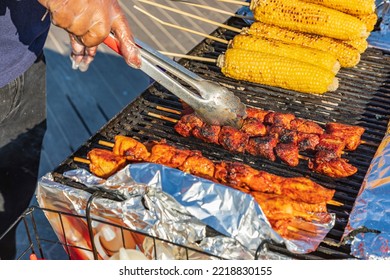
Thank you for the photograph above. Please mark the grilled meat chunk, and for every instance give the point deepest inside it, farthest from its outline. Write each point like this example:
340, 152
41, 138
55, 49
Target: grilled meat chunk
256, 113
351, 134
307, 141
330, 164
104, 163
170, 156
288, 153
253, 127
187, 123
130, 148
262, 146
279, 119
233, 139
306, 126
329, 142
198, 165
207, 133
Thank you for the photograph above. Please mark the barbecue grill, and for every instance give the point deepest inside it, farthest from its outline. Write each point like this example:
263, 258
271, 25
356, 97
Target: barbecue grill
363, 99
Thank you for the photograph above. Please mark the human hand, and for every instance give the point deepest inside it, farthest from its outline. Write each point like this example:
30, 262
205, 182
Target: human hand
89, 22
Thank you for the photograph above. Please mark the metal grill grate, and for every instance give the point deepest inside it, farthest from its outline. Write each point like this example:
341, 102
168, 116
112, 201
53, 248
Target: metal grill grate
363, 99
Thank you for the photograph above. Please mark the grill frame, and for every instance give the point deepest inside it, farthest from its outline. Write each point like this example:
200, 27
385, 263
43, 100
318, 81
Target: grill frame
363, 98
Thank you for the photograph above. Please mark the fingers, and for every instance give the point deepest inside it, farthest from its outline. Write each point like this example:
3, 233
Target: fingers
123, 34
81, 56
92, 21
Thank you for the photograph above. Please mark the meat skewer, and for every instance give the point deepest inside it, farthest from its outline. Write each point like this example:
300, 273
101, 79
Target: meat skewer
290, 191
233, 174
271, 146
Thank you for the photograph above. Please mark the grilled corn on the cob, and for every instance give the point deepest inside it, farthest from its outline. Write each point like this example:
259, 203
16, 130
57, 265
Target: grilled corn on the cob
369, 20
352, 7
309, 55
273, 70
347, 55
360, 44
310, 18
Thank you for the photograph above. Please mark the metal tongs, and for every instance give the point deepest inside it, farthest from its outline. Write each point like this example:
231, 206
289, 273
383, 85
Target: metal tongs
215, 104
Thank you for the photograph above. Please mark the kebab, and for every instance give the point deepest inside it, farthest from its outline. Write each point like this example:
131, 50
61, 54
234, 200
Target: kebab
284, 145
289, 199
232, 174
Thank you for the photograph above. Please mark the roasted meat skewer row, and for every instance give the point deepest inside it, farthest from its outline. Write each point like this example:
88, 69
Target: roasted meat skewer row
285, 202
270, 134
233, 174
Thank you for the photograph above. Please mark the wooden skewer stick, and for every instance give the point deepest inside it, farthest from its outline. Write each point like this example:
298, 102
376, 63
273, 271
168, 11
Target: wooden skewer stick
335, 203
237, 2
190, 15
168, 110
82, 160
215, 10
181, 28
106, 143
191, 57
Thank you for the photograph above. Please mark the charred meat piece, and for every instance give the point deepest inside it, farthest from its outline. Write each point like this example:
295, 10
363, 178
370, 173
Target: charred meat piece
307, 141
262, 146
283, 134
170, 156
130, 148
253, 127
306, 126
278, 207
279, 119
256, 113
328, 163
104, 163
296, 205
198, 165
187, 123
207, 133
305, 190
329, 142
233, 139
288, 153
351, 134
246, 178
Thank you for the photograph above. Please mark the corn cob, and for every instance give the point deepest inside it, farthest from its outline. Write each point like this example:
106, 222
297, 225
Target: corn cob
369, 20
309, 55
360, 44
273, 70
306, 17
352, 7
347, 55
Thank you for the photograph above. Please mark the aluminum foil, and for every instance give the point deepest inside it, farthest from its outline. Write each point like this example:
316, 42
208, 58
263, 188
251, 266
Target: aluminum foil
368, 229
177, 207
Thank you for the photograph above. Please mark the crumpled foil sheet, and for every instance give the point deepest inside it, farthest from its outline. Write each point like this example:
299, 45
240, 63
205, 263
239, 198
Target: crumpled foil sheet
368, 229
176, 206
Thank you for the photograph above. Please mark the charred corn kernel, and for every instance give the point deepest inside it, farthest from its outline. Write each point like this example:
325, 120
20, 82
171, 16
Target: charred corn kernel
360, 44
309, 55
369, 20
347, 55
274, 70
352, 7
311, 18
